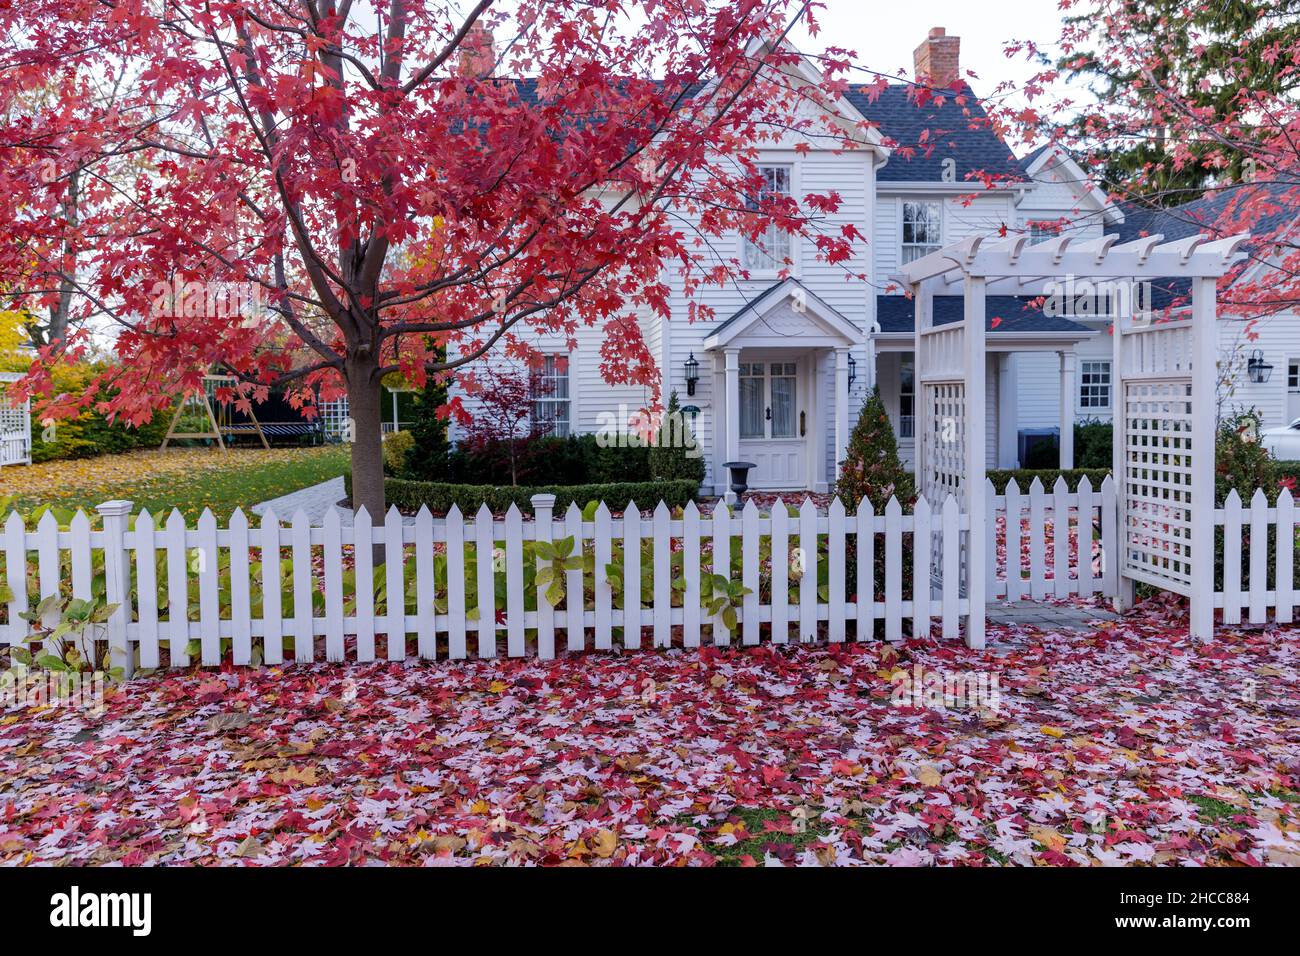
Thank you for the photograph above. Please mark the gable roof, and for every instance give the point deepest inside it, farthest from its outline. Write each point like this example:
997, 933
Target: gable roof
1039, 158
962, 132
1017, 314
762, 304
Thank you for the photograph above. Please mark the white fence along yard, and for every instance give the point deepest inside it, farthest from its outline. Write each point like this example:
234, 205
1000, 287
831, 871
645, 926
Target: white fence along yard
1258, 559
488, 586
471, 587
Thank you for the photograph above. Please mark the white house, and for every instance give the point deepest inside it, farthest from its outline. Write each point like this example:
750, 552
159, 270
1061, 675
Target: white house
784, 370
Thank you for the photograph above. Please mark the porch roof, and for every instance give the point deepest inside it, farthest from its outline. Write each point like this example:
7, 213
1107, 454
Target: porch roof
815, 323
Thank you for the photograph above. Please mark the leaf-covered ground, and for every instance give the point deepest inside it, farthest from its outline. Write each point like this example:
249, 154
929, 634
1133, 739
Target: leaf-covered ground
186, 478
1127, 745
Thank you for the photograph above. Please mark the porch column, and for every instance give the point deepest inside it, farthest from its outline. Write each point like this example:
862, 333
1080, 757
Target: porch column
731, 423
841, 407
1008, 387
1069, 385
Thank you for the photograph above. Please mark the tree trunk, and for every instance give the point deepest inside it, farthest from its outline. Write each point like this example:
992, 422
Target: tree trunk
366, 434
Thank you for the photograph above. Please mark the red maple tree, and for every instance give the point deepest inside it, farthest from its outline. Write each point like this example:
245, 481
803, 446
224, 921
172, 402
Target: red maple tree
1235, 157
376, 180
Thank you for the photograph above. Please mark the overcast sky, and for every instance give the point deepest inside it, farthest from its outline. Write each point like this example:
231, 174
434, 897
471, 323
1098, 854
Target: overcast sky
885, 34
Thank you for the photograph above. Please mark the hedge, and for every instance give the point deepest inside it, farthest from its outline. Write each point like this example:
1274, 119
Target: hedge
1024, 477
440, 496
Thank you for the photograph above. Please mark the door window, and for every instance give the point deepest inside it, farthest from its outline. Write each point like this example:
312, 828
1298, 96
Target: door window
782, 386
751, 400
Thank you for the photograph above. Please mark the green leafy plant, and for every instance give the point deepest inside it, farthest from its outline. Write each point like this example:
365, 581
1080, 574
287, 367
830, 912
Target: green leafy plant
559, 558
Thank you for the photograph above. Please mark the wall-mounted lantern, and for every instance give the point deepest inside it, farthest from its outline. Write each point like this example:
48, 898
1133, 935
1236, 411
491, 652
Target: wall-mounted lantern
692, 373
1257, 370
853, 370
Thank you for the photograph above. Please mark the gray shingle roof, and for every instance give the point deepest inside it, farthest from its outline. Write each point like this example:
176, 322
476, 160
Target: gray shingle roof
1017, 313
960, 131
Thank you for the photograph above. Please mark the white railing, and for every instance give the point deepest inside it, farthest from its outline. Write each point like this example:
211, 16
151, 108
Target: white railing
470, 587
1038, 538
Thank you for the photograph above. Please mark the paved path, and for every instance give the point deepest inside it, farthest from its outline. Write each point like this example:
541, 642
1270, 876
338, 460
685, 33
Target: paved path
1045, 616
316, 500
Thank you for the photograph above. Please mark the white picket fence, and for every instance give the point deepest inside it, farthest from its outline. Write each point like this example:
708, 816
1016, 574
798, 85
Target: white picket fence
1265, 581
1051, 545
240, 607
291, 589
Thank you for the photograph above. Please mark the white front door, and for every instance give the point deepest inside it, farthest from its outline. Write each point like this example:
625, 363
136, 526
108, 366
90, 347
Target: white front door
773, 425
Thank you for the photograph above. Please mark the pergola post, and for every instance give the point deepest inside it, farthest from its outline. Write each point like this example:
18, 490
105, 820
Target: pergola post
976, 419
1125, 591
1204, 313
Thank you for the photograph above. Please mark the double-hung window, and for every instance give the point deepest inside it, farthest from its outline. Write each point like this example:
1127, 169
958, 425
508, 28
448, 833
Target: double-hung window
550, 395
771, 251
922, 229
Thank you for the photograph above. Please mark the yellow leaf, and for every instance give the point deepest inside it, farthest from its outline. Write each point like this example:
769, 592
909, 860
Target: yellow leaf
604, 844
929, 776
1052, 731
498, 687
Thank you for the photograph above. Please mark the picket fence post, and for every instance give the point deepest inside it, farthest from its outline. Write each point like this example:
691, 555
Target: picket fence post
117, 583
543, 515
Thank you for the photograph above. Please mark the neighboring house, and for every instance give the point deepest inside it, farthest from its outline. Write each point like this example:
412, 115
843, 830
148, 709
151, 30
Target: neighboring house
783, 371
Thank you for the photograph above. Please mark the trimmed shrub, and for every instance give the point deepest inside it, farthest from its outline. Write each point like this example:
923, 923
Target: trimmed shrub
1024, 477
410, 496
668, 462
396, 448
1241, 462
872, 468
1093, 441
427, 457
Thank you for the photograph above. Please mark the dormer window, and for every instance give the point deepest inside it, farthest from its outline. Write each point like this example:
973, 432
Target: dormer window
772, 250
922, 229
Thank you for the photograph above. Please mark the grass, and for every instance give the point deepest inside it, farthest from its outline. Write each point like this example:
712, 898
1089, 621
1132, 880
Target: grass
754, 818
187, 479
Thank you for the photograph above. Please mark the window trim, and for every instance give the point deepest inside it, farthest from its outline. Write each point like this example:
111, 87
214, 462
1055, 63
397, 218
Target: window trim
901, 209
742, 243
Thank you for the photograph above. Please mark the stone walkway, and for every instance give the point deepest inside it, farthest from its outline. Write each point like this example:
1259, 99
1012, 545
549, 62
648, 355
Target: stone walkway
1046, 616
316, 500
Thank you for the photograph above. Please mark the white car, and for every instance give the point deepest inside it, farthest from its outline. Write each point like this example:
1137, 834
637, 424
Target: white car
1282, 443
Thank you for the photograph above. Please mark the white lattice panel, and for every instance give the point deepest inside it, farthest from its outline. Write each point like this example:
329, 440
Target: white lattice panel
1156, 487
944, 436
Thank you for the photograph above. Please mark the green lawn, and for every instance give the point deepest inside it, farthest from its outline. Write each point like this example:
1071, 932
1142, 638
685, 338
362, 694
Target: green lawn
186, 480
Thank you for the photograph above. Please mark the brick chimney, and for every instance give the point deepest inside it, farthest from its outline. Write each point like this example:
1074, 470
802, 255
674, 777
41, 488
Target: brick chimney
478, 53
938, 59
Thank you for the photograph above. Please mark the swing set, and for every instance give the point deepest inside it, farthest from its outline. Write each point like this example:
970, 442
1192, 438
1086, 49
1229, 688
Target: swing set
204, 410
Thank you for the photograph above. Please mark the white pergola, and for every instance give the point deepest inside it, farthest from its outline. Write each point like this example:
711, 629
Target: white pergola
15, 425
1164, 373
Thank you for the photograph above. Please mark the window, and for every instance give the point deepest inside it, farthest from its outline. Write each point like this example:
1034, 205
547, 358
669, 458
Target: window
907, 396
550, 388
1293, 375
922, 232
1039, 232
1094, 385
751, 400
772, 249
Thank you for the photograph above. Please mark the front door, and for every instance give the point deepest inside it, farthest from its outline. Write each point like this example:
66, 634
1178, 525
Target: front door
773, 426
